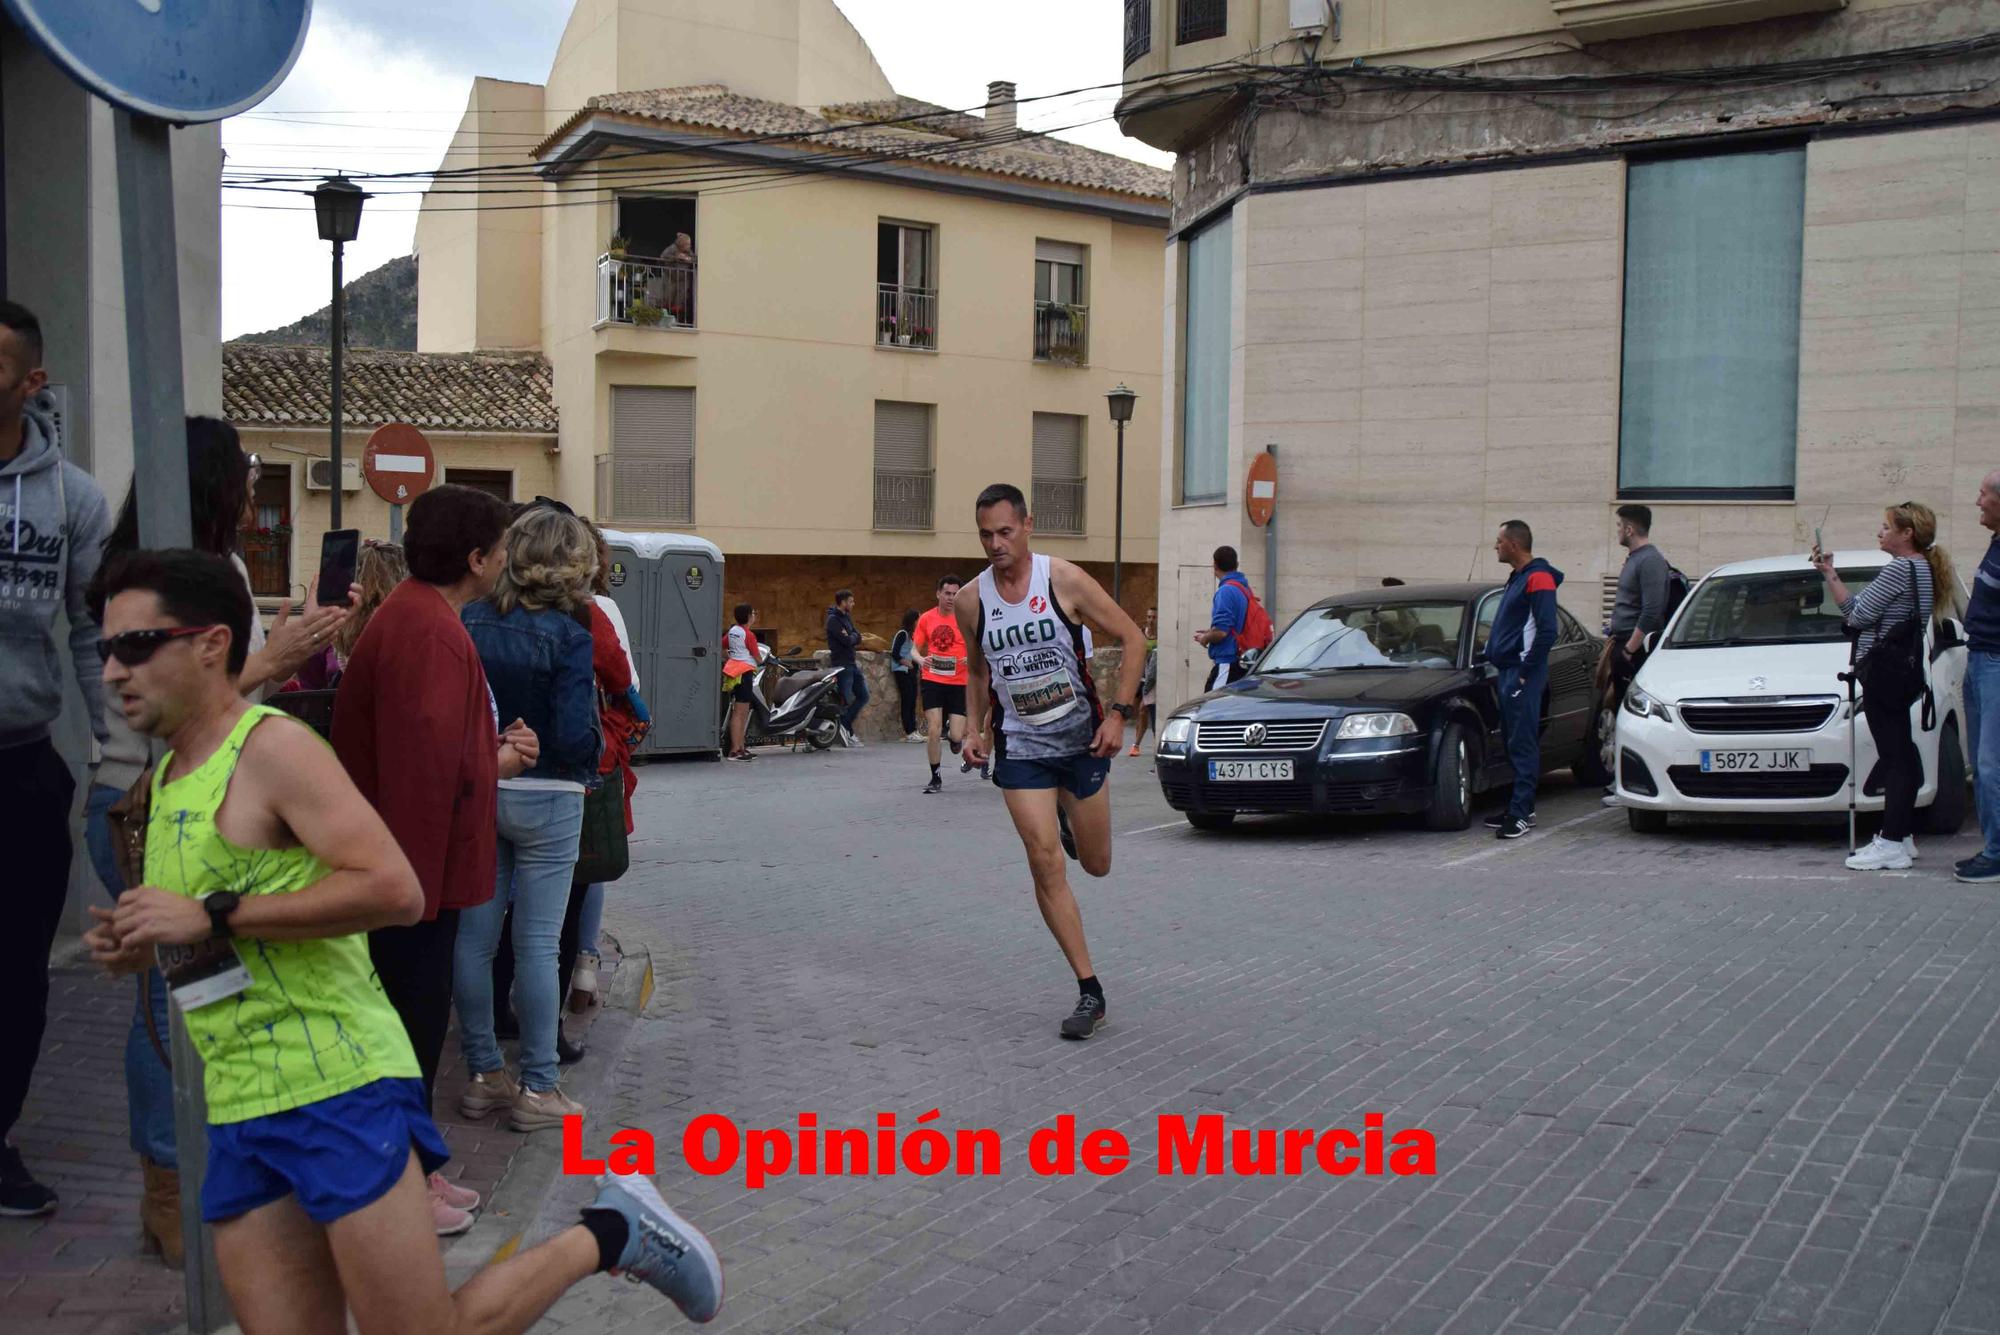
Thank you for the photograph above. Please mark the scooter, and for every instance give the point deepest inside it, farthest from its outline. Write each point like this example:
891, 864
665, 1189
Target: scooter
788, 705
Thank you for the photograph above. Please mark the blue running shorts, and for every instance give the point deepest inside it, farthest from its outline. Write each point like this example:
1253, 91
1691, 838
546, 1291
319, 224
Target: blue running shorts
337, 1156
1081, 774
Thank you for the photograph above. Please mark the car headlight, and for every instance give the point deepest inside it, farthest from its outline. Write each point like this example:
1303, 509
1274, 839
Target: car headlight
1176, 732
1645, 706
1375, 725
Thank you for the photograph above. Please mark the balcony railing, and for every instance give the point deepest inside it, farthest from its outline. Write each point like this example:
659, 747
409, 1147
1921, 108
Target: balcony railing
1062, 333
645, 491
1138, 29
1059, 507
1201, 20
645, 292
903, 500
906, 317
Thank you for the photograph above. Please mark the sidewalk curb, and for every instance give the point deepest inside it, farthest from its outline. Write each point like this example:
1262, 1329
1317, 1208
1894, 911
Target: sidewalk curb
503, 1222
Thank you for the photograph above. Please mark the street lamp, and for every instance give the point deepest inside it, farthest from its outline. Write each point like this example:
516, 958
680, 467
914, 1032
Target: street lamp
337, 204
1121, 400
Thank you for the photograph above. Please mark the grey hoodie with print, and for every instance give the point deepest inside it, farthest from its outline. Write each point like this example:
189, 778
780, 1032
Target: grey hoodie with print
53, 522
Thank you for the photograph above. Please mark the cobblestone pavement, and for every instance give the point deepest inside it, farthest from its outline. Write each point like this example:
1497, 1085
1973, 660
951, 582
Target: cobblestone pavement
1706, 1082
81, 1269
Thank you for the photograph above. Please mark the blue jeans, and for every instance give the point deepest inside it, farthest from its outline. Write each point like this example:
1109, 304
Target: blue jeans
1521, 726
591, 922
539, 833
149, 1083
854, 690
1982, 742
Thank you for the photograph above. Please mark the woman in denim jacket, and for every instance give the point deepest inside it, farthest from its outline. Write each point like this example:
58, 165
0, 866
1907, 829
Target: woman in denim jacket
534, 641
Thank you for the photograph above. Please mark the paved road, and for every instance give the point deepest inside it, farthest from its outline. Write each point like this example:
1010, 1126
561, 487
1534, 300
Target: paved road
1708, 1082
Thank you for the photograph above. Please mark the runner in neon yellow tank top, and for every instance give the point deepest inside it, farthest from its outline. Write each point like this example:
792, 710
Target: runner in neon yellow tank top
317, 1022
264, 865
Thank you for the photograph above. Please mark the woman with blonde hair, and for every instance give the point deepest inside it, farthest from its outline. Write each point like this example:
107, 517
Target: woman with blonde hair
379, 570
1887, 619
534, 642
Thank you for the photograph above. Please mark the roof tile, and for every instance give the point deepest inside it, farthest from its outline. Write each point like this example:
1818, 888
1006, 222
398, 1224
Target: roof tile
445, 391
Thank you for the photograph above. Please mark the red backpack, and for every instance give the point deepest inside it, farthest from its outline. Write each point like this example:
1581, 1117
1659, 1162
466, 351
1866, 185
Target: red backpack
1257, 632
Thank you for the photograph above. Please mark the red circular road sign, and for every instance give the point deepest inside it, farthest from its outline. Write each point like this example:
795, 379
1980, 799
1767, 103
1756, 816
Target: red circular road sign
398, 463
1260, 491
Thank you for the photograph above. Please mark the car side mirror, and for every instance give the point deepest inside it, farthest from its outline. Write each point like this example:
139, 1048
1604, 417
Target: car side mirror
1248, 660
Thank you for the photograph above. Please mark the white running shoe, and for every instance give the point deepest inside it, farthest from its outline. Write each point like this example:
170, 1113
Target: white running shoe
1879, 855
1910, 846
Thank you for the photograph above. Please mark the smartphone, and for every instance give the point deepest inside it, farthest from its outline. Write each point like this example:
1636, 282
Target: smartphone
339, 554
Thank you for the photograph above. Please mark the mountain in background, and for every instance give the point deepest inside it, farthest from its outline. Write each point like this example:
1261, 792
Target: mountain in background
381, 313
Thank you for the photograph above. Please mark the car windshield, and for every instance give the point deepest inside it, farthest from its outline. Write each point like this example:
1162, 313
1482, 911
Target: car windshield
1777, 607
1358, 635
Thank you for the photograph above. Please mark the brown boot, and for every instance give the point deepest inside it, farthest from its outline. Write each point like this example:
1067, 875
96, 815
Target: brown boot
160, 1213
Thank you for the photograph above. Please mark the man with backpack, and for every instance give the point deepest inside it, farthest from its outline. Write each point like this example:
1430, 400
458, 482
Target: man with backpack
1649, 589
1237, 622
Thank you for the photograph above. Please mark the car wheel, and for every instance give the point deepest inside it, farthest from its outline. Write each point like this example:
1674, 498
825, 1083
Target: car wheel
1646, 822
1450, 806
1593, 766
822, 734
1210, 820
1947, 811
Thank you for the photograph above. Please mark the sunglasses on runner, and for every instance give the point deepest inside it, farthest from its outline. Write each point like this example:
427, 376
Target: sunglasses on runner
134, 647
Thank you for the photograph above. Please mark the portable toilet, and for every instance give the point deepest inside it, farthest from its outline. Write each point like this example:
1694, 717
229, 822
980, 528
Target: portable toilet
668, 586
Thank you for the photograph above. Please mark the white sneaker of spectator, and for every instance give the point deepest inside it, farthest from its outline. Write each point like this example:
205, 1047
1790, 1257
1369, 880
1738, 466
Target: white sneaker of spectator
1878, 854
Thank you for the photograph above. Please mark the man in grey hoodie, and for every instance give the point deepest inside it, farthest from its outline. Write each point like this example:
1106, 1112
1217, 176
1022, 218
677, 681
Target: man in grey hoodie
53, 522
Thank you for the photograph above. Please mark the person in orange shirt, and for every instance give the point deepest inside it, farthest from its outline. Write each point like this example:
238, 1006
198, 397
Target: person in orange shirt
941, 661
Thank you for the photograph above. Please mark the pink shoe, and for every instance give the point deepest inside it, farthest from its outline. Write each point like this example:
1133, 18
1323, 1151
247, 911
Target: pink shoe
450, 1222
457, 1197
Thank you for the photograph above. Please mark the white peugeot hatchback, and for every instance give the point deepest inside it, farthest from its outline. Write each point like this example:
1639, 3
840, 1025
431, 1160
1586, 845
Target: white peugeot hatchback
1740, 708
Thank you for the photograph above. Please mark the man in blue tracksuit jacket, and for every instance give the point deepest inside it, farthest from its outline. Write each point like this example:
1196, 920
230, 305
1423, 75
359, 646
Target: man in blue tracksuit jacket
1524, 630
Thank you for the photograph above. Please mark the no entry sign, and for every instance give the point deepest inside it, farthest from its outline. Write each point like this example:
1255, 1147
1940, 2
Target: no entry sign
1260, 490
398, 463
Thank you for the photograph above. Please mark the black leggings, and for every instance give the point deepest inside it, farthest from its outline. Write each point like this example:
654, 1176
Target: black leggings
906, 695
414, 966
1901, 768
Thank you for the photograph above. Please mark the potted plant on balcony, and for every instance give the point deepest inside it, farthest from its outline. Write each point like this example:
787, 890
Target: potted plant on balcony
886, 331
645, 313
616, 246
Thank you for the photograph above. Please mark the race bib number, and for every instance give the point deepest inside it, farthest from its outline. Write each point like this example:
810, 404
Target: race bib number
204, 973
1040, 698
944, 665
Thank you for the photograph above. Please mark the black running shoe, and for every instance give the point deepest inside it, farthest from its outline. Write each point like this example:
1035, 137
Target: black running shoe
1083, 1021
21, 1197
1495, 822
1514, 829
955, 745
1068, 838
936, 785
986, 771
967, 767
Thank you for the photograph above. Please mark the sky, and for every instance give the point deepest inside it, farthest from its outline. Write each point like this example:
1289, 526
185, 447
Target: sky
381, 84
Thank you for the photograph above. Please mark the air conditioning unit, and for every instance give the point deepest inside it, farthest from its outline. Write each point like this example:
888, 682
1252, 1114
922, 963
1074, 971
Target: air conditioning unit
319, 475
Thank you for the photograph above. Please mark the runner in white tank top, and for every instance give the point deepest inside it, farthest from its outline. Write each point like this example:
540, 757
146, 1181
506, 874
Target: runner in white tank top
1053, 738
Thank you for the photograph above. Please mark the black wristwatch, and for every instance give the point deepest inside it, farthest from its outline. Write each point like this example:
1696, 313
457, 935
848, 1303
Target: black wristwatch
220, 905
1122, 709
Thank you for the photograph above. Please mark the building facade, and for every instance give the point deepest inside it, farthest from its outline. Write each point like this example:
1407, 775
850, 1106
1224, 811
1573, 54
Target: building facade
490, 420
1471, 260
797, 314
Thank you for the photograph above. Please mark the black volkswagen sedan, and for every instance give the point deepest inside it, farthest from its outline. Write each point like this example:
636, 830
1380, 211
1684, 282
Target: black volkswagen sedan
1375, 701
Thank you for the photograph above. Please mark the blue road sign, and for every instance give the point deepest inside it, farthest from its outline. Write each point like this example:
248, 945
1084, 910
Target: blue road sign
176, 60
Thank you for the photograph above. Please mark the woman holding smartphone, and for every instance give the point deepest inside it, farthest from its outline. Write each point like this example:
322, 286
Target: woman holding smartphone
1918, 584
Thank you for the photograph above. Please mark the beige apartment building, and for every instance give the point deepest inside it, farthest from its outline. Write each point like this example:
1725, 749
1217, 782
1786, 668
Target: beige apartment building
797, 314
1736, 259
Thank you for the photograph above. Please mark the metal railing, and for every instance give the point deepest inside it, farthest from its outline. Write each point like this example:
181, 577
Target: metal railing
645, 491
1138, 29
1200, 20
906, 317
904, 500
1059, 507
1062, 333
645, 292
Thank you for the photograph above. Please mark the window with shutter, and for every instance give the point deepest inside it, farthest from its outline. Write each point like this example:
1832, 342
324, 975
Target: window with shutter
651, 476
1058, 499
1061, 313
904, 477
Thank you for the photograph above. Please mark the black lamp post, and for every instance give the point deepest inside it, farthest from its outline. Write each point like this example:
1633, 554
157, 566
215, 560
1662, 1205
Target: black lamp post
1121, 400
337, 203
